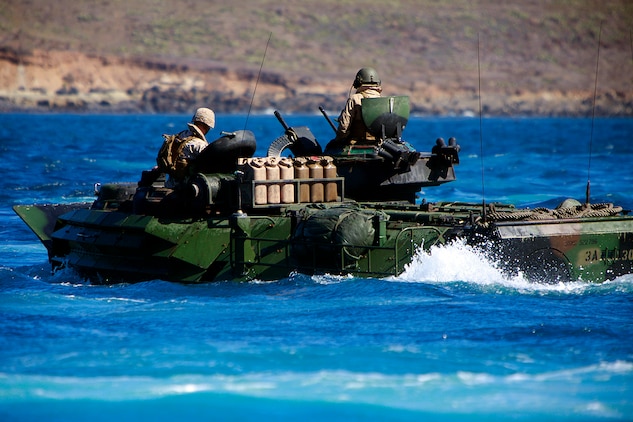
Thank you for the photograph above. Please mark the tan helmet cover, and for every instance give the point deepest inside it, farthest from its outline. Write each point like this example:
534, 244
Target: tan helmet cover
204, 115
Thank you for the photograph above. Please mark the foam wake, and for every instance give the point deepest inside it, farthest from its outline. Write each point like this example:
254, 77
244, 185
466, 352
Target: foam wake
459, 262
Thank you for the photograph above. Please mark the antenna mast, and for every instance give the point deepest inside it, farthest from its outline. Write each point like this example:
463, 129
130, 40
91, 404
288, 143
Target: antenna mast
257, 81
593, 115
481, 142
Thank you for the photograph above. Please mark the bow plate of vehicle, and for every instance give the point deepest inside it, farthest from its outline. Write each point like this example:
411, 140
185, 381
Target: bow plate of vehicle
348, 209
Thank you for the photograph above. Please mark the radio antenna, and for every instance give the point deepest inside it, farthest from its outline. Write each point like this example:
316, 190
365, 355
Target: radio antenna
481, 142
257, 81
593, 116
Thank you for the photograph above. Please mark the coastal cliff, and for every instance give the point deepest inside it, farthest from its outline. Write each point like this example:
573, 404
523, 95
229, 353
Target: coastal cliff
523, 58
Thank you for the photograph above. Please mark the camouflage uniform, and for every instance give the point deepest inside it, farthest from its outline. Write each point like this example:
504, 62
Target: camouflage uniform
196, 141
195, 145
350, 122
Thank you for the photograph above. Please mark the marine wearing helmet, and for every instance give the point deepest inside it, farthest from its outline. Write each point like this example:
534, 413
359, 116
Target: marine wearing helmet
191, 143
351, 128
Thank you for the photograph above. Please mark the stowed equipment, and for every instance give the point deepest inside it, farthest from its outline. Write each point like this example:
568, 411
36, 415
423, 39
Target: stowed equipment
386, 168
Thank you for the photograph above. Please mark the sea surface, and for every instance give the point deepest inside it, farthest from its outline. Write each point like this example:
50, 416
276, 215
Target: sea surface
450, 339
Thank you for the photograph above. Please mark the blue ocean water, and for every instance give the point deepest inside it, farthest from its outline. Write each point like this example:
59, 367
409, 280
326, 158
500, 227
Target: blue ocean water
450, 339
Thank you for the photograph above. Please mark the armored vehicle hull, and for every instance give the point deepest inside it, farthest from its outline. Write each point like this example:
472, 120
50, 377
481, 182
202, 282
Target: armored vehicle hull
348, 210
364, 239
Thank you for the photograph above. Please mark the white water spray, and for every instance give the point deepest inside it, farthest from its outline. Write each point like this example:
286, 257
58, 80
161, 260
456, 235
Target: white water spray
458, 262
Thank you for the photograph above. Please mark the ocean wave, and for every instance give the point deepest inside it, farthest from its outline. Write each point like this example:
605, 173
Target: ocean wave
562, 392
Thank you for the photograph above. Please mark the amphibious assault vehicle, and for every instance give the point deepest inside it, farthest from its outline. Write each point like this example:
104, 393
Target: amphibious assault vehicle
347, 209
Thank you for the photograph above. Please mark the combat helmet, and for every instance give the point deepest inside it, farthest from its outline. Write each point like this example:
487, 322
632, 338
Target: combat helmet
204, 115
366, 76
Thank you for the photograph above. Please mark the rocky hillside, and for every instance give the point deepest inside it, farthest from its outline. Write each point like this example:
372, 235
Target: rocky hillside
528, 57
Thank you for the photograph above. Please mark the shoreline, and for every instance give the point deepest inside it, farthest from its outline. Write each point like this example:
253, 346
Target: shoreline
64, 81
121, 103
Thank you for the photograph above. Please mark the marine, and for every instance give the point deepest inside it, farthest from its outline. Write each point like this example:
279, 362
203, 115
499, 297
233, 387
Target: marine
351, 127
180, 151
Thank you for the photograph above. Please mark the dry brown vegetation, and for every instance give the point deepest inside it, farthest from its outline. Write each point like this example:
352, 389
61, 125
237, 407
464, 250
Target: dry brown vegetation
531, 56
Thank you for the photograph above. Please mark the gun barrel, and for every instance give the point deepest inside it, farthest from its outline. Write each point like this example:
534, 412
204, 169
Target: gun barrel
327, 118
281, 120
